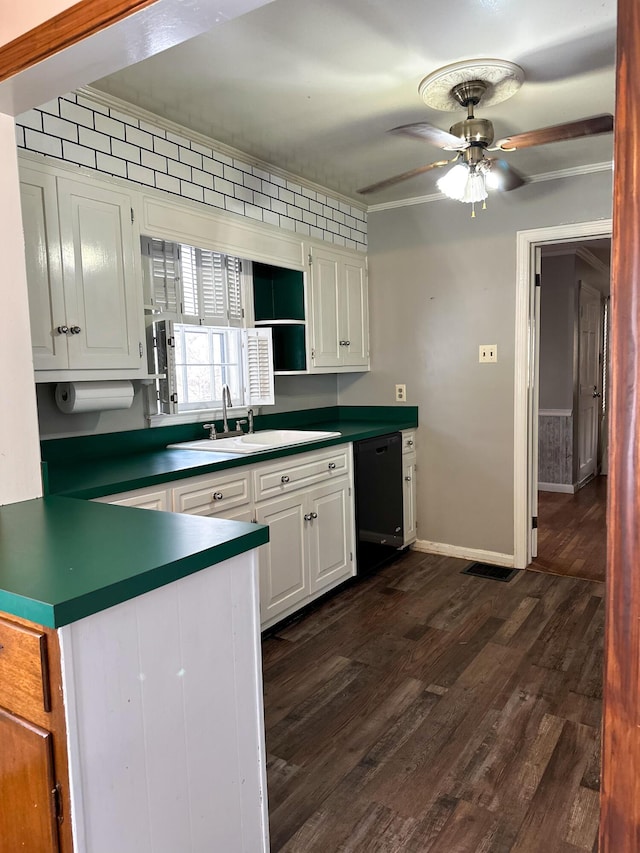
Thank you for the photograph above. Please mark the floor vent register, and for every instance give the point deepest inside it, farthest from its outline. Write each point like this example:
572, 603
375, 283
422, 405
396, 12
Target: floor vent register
494, 573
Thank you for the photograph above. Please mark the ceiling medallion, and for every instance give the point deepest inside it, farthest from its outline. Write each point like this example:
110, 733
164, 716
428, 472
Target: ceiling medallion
503, 80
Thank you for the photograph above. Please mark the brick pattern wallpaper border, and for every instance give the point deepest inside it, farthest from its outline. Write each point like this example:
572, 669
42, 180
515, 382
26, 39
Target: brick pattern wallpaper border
77, 129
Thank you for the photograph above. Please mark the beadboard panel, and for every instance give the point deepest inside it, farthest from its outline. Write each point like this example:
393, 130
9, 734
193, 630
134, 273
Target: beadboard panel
112, 137
164, 714
555, 448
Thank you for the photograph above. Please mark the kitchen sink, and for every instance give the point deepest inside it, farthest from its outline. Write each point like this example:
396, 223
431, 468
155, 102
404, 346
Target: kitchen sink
256, 442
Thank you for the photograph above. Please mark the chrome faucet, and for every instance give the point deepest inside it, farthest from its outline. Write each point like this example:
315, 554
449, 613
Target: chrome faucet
250, 417
226, 401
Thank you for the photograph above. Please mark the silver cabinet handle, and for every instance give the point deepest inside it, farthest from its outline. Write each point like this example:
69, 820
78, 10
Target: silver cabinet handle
307, 516
408, 479
75, 330
217, 496
347, 343
314, 515
62, 330
284, 479
343, 343
410, 442
332, 465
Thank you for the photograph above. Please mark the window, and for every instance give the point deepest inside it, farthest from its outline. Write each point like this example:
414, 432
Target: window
194, 304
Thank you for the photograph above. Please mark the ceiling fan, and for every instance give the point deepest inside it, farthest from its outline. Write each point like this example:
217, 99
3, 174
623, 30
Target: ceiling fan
491, 81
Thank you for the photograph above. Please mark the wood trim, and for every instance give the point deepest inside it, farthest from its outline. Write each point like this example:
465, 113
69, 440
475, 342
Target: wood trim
80, 21
620, 801
463, 553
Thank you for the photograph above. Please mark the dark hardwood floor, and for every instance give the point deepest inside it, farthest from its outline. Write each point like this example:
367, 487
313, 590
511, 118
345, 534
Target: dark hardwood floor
572, 532
426, 710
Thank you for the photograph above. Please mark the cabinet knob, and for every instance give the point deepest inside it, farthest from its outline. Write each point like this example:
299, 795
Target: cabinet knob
307, 516
332, 465
345, 343
410, 442
284, 479
314, 515
75, 330
408, 479
217, 496
63, 330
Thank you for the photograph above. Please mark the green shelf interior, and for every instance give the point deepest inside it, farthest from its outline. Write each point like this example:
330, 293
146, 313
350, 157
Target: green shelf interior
288, 348
278, 294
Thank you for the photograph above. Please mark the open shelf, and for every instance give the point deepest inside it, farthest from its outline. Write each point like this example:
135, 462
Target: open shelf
278, 301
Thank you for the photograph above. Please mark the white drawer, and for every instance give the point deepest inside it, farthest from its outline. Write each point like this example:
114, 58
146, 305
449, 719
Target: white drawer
150, 498
409, 441
211, 494
286, 475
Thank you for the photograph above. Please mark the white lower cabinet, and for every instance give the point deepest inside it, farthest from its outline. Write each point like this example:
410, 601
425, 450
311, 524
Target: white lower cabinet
307, 502
409, 468
283, 569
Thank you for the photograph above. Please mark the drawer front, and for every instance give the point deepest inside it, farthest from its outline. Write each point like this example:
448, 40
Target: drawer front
408, 441
277, 478
24, 676
158, 499
212, 495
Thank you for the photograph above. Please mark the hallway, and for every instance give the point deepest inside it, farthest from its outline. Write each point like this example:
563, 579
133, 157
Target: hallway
572, 532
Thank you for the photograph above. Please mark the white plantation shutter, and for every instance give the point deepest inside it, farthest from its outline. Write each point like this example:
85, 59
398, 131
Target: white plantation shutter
234, 290
189, 270
213, 307
162, 271
258, 367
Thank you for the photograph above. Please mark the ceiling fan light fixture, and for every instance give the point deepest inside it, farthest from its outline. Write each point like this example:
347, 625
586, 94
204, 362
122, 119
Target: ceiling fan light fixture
454, 182
464, 183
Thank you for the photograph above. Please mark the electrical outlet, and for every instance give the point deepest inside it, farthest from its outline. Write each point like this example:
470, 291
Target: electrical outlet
488, 353
401, 393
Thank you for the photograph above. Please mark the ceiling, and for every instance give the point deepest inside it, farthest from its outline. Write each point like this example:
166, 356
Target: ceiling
311, 86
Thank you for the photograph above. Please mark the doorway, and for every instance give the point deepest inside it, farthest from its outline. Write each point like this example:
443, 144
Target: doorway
573, 287
530, 246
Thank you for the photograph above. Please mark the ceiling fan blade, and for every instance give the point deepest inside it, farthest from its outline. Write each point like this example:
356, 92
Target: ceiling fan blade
429, 133
557, 133
504, 177
389, 182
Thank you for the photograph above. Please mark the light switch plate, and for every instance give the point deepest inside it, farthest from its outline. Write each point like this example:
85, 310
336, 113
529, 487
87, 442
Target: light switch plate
488, 353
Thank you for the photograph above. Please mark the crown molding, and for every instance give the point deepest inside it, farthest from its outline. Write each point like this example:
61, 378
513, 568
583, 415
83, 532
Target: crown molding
559, 174
582, 252
135, 111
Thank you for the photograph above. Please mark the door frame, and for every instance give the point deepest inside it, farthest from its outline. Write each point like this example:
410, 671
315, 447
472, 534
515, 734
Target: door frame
526, 369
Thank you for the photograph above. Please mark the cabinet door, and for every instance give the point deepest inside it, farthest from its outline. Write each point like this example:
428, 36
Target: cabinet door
99, 268
325, 282
159, 499
409, 498
283, 578
354, 313
27, 817
44, 269
329, 534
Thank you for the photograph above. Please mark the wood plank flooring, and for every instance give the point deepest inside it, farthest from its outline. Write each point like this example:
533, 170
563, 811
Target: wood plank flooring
427, 711
572, 532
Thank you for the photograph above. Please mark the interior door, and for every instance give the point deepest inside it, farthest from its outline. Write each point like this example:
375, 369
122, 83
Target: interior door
534, 398
589, 393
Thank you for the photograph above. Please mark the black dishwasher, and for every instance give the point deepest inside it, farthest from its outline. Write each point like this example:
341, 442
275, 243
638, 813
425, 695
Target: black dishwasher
378, 485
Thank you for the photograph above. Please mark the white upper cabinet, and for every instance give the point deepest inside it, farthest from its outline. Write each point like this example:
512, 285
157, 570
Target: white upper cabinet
83, 274
339, 307
44, 269
102, 294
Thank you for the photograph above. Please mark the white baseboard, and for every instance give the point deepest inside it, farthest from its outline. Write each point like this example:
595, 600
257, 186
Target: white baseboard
567, 488
493, 557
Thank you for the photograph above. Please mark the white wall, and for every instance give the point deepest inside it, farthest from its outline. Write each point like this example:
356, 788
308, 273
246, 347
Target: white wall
19, 451
440, 285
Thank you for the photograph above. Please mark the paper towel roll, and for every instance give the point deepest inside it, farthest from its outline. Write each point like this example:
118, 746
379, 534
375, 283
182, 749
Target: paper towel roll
74, 397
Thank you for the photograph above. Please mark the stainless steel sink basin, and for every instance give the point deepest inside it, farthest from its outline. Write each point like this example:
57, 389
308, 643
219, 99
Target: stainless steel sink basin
256, 442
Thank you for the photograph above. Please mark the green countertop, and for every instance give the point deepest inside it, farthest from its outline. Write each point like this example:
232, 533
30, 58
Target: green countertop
103, 476
63, 559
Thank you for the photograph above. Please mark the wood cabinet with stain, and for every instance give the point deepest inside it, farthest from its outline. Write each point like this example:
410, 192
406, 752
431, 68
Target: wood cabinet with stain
33, 755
